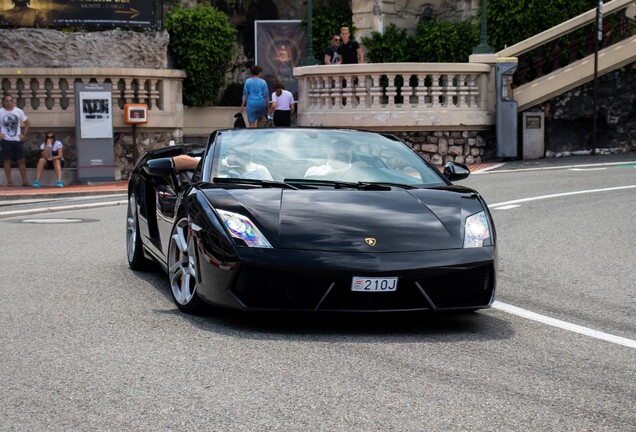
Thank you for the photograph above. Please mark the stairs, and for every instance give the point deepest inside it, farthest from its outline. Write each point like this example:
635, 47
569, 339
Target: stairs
575, 74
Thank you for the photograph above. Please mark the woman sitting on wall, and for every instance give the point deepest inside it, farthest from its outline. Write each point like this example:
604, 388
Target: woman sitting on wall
52, 157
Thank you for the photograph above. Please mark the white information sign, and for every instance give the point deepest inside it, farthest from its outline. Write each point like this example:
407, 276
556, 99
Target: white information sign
96, 114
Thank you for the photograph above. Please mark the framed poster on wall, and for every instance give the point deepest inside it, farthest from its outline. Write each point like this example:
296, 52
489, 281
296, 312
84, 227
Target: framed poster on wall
279, 47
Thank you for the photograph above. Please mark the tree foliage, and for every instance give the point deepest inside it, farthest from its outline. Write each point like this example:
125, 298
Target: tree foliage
510, 22
394, 46
436, 41
202, 44
445, 42
326, 21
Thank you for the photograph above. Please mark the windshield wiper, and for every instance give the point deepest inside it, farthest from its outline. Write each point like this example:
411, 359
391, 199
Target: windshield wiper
264, 183
349, 185
388, 184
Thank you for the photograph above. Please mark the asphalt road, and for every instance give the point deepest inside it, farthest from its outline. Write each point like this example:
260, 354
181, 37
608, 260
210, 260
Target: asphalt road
88, 344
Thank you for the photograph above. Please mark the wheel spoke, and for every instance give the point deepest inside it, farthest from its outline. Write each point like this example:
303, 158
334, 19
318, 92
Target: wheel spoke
131, 222
179, 240
182, 268
175, 267
185, 289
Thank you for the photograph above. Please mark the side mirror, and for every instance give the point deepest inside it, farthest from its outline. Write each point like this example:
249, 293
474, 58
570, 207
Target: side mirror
455, 171
162, 167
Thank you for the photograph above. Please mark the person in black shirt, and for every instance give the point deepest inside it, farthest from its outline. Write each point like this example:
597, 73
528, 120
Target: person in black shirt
331, 52
349, 50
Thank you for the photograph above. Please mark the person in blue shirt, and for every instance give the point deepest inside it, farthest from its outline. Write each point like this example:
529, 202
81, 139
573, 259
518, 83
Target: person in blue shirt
255, 98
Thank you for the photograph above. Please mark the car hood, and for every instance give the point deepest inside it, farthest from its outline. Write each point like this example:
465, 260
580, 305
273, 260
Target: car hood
354, 220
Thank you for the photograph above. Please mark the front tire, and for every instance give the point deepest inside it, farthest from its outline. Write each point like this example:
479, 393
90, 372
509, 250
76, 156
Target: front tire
183, 268
134, 248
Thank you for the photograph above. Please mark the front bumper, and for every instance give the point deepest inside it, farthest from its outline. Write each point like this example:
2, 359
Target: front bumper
321, 281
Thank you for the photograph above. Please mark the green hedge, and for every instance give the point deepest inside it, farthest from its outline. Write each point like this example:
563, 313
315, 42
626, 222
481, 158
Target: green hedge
510, 22
202, 44
436, 41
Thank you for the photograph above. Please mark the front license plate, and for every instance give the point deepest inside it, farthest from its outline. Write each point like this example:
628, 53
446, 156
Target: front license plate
372, 284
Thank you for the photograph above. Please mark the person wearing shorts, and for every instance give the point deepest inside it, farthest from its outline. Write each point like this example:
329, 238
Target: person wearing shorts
12, 137
51, 157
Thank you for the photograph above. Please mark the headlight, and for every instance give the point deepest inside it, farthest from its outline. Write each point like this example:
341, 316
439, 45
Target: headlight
476, 230
242, 228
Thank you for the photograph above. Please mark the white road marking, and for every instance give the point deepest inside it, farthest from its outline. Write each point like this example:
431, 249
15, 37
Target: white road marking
514, 310
541, 197
508, 207
50, 221
588, 169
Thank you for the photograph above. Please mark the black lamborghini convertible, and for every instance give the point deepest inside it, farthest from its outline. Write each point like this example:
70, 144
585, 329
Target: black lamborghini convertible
301, 219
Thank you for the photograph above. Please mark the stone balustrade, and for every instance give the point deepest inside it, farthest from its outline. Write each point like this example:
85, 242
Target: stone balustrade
47, 94
397, 96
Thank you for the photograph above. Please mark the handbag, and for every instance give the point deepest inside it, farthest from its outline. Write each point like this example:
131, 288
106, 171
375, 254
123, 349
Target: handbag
239, 121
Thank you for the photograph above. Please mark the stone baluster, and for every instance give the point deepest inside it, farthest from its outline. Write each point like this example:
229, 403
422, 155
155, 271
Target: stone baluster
320, 92
129, 95
391, 91
421, 91
468, 83
160, 87
374, 92
436, 90
313, 92
70, 93
153, 94
338, 92
462, 91
14, 90
56, 94
449, 90
325, 87
358, 90
473, 91
347, 91
35, 94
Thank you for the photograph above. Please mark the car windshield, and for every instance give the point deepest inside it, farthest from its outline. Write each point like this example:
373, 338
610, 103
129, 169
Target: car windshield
325, 156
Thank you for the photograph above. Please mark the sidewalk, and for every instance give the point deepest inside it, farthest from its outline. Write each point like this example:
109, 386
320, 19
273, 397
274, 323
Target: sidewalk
120, 187
28, 193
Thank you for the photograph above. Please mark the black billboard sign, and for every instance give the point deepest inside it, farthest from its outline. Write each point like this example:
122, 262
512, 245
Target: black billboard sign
79, 13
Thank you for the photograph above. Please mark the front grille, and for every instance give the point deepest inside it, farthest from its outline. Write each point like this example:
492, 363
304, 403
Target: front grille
268, 289
406, 297
261, 288
463, 288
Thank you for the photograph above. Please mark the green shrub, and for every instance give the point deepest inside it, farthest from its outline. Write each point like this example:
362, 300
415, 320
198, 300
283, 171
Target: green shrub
510, 22
202, 44
445, 42
326, 21
394, 46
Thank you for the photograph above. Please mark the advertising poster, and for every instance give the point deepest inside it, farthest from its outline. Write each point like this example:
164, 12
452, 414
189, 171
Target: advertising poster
279, 46
78, 13
95, 114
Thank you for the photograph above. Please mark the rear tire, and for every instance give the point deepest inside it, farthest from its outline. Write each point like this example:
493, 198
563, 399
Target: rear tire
134, 248
183, 268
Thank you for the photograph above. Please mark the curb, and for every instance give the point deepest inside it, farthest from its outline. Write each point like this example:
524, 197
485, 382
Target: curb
47, 195
40, 210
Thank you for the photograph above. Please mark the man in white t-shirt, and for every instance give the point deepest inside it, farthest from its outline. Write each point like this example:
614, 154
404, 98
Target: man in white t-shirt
12, 137
282, 106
